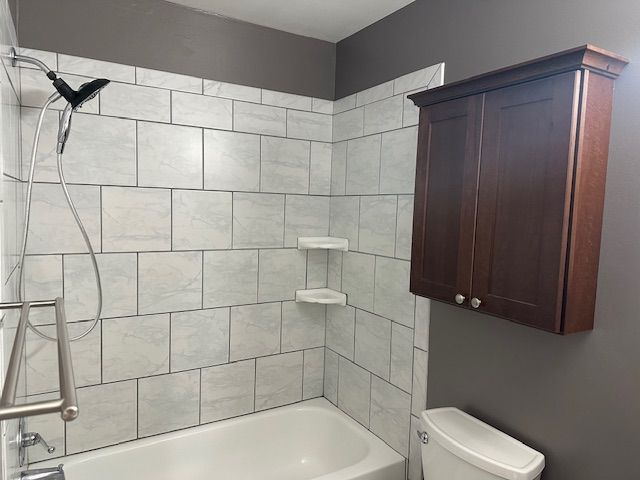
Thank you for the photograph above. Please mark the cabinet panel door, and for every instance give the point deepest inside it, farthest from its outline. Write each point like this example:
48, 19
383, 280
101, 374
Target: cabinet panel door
524, 200
445, 201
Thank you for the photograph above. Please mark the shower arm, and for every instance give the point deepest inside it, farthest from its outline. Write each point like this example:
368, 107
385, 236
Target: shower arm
15, 57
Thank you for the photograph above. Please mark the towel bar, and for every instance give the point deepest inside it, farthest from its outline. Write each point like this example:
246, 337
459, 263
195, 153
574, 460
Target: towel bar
67, 404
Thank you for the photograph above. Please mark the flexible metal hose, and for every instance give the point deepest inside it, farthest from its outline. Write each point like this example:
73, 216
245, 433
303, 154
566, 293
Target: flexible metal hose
27, 216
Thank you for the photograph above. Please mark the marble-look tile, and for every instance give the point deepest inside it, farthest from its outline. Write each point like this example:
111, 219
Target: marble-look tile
168, 402
199, 338
135, 219
135, 347
317, 268
419, 388
344, 219
50, 59
227, 390
115, 72
305, 216
169, 281
169, 156
374, 94
410, 112
334, 270
331, 376
338, 168
415, 80
321, 105
102, 150
349, 124
173, 81
302, 326
398, 161
401, 356
341, 329
404, 227
201, 111
43, 280
201, 220
137, 102
278, 380
354, 387
358, 279
118, 274
390, 415
230, 278
373, 343
232, 91
313, 373
415, 451
263, 119
320, 175
53, 228
377, 229
392, 297
42, 358
280, 274
50, 426
258, 220
363, 166
116, 402
383, 115
36, 88
287, 100
284, 165
423, 318
345, 103
309, 126
438, 77
231, 161
255, 330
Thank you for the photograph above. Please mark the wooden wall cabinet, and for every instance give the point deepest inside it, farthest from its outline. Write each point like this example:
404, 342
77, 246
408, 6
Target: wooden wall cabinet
510, 189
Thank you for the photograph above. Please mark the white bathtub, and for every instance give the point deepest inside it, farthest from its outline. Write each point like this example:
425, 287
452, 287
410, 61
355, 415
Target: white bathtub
308, 440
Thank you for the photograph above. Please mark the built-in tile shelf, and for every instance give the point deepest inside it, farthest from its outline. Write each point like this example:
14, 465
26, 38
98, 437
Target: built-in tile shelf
326, 243
324, 296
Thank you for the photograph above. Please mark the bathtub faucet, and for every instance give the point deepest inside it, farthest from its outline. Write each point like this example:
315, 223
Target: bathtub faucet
55, 473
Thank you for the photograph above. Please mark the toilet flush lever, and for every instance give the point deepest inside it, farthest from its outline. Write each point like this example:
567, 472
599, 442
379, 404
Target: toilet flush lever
423, 437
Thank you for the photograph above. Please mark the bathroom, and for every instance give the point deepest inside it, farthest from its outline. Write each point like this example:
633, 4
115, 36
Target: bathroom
248, 160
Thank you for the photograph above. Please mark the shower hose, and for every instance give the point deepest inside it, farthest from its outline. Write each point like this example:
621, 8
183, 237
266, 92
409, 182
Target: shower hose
27, 214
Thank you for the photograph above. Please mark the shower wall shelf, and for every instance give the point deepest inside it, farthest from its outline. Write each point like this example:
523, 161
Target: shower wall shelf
324, 296
326, 243
67, 404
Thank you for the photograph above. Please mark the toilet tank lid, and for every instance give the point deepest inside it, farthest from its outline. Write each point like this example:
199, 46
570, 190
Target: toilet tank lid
482, 445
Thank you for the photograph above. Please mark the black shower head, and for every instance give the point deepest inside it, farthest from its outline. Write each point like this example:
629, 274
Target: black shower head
86, 91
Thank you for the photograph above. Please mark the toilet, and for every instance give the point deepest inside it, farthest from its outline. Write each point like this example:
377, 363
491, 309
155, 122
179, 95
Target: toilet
457, 446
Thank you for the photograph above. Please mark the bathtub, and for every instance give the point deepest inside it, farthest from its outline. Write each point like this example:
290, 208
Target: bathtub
308, 440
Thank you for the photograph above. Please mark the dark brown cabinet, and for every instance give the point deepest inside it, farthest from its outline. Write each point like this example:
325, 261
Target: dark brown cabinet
510, 189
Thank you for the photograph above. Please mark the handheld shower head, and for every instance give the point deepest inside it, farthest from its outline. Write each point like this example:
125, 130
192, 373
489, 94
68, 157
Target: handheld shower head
86, 92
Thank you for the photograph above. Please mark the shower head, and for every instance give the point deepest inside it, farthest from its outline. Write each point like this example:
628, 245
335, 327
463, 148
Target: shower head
86, 92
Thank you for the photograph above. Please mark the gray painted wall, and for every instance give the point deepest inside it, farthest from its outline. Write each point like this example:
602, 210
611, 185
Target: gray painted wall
164, 36
575, 398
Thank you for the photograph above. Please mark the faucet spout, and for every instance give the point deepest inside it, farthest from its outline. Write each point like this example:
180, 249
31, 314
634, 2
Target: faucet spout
55, 473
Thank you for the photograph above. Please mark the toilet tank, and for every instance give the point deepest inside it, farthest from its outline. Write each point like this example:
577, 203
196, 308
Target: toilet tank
461, 447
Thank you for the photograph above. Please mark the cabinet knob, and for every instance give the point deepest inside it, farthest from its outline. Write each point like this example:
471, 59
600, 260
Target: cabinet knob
475, 302
460, 299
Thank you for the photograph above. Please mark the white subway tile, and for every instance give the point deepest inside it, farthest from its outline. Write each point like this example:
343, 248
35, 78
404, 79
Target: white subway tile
354, 387
305, 216
231, 161
201, 220
284, 165
173, 81
258, 220
392, 297
280, 274
313, 373
201, 111
363, 165
309, 126
136, 219
230, 277
96, 68
358, 279
228, 390
390, 415
255, 330
303, 326
169, 156
320, 174
169, 281
232, 91
398, 161
383, 115
349, 124
377, 229
341, 329
199, 338
374, 94
401, 356
137, 102
278, 380
287, 100
373, 343
253, 118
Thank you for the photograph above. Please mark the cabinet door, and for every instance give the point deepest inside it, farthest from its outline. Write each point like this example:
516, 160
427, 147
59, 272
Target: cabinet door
524, 200
445, 199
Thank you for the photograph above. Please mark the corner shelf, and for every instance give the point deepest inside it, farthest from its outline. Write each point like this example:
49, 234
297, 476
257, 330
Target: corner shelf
326, 243
324, 296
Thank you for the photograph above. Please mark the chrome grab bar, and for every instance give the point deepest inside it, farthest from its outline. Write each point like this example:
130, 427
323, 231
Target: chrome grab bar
67, 404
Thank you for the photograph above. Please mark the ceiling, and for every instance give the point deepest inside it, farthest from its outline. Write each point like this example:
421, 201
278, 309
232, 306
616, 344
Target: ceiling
330, 20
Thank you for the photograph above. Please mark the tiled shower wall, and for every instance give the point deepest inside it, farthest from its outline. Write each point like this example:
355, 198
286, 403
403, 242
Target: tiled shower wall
376, 347
194, 193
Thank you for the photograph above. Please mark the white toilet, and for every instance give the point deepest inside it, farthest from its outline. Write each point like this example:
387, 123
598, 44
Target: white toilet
457, 446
